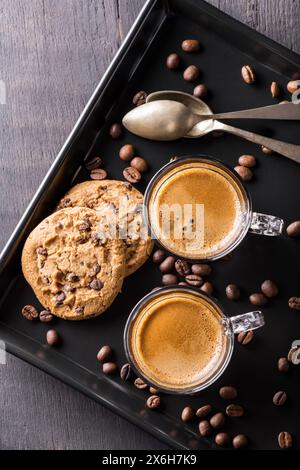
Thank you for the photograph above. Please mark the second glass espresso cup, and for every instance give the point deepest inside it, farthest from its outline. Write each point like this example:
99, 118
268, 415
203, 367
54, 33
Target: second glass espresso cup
199, 209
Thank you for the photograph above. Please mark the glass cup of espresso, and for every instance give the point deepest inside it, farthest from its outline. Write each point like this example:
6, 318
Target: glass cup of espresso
199, 209
179, 340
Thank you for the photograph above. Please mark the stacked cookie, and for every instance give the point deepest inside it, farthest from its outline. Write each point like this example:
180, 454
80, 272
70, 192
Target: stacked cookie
76, 259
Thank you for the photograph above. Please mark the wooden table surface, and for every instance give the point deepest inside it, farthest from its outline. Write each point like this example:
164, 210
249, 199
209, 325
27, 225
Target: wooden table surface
52, 55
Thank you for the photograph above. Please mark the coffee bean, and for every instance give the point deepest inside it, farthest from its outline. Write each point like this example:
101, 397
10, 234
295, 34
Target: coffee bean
139, 164
190, 45
292, 86
59, 298
191, 73
96, 284
187, 414
283, 364
105, 353
153, 402
126, 152
194, 280
45, 316
169, 280
52, 337
279, 398
248, 74
205, 429
293, 230
285, 440
125, 372
217, 421
244, 172
182, 267
115, 131
173, 61
109, 368
294, 303
228, 392
203, 411
269, 288
30, 312
258, 299
222, 439
139, 98
247, 160
98, 174
140, 384
201, 269
158, 256
167, 265
132, 175
275, 90
94, 163
240, 441
232, 292
200, 91
266, 150
153, 391
234, 411
207, 287
245, 337
294, 354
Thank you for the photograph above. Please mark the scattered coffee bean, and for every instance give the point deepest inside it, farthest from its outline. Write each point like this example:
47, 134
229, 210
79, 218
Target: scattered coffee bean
222, 439
169, 280
293, 230
94, 163
269, 288
294, 303
293, 86
109, 368
247, 160
139, 98
132, 175
285, 440
234, 411
294, 354
205, 428
153, 402
153, 391
228, 392
202, 269
190, 45
275, 90
207, 287
182, 267
45, 316
200, 91
240, 441
52, 337
105, 353
245, 337
203, 411
173, 61
125, 372
140, 384
248, 74
167, 265
126, 152
30, 312
96, 284
115, 131
139, 164
266, 150
232, 292
191, 73
158, 256
217, 421
283, 364
187, 414
194, 280
258, 299
279, 398
98, 174
244, 172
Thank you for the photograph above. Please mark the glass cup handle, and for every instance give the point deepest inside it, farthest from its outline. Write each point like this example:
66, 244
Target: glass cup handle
263, 224
247, 321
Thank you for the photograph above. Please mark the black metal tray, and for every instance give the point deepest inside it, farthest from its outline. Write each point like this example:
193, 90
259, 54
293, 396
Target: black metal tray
140, 65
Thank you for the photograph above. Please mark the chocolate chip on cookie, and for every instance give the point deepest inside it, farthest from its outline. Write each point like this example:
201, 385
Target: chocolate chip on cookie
59, 298
85, 226
96, 284
42, 251
71, 277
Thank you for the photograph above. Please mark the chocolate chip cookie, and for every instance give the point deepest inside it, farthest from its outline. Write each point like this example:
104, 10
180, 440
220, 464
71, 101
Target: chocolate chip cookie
75, 271
122, 206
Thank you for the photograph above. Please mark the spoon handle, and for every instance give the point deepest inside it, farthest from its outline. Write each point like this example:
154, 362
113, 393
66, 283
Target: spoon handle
286, 111
283, 148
